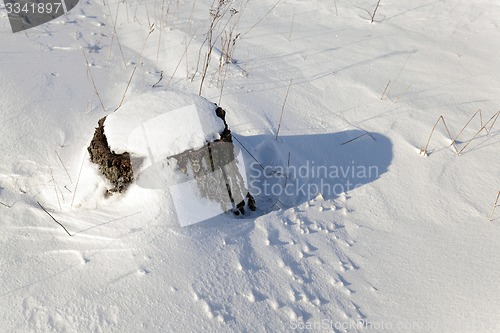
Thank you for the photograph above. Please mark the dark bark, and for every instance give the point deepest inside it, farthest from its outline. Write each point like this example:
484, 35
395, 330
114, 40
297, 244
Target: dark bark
117, 168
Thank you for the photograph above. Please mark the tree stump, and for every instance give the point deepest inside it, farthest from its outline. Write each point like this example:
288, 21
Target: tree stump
214, 167
117, 168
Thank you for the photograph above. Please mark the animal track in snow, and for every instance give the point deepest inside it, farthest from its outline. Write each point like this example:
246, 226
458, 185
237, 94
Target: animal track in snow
42, 316
213, 310
308, 245
255, 296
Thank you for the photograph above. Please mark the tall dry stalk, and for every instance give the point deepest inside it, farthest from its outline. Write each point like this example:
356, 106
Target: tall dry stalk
283, 109
162, 23
424, 151
216, 13
399, 74
493, 119
93, 82
261, 19
291, 27
385, 90
495, 205
484, 127
135, 68
115, 34
375, 11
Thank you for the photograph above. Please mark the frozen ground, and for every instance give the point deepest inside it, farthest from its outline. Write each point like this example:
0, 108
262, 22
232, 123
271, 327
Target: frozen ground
405, 246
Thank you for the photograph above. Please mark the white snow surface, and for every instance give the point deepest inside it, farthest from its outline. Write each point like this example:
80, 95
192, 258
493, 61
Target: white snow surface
370, 236
157, 125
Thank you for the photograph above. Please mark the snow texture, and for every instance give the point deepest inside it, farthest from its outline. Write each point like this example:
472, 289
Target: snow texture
355, 230
161, 124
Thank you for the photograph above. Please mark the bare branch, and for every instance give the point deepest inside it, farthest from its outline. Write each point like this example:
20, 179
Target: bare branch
39, 204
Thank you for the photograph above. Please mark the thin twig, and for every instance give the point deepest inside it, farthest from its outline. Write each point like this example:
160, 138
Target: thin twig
375, 11
180, 60
77, 181
39, 204
60, 160
116, 33
495, 205
147, 12
354, 139
283, 108
186, 55
161, 31
107, 222
135, 12
249, 153
161, 78
494, 118
463, 128
126, 89
402, 93
401, 71
291, 27
217, 16
387, 86
1, 203
93, 82
190, 20
217, 13
113, 34
54, 181
424, 150
126, 7
151, 29
222, 83
287, 169
494, 121
253, 26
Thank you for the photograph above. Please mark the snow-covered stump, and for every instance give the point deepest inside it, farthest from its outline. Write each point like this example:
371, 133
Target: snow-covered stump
160, 134
117, 168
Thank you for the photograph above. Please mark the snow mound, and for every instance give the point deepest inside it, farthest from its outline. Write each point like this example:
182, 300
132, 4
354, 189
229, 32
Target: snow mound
160, 124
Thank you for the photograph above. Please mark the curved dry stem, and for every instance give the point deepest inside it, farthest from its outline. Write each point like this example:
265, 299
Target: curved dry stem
463, 128
424, 150
493, 119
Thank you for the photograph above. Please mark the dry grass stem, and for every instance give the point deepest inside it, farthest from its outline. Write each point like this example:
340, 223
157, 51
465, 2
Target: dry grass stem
494, 207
